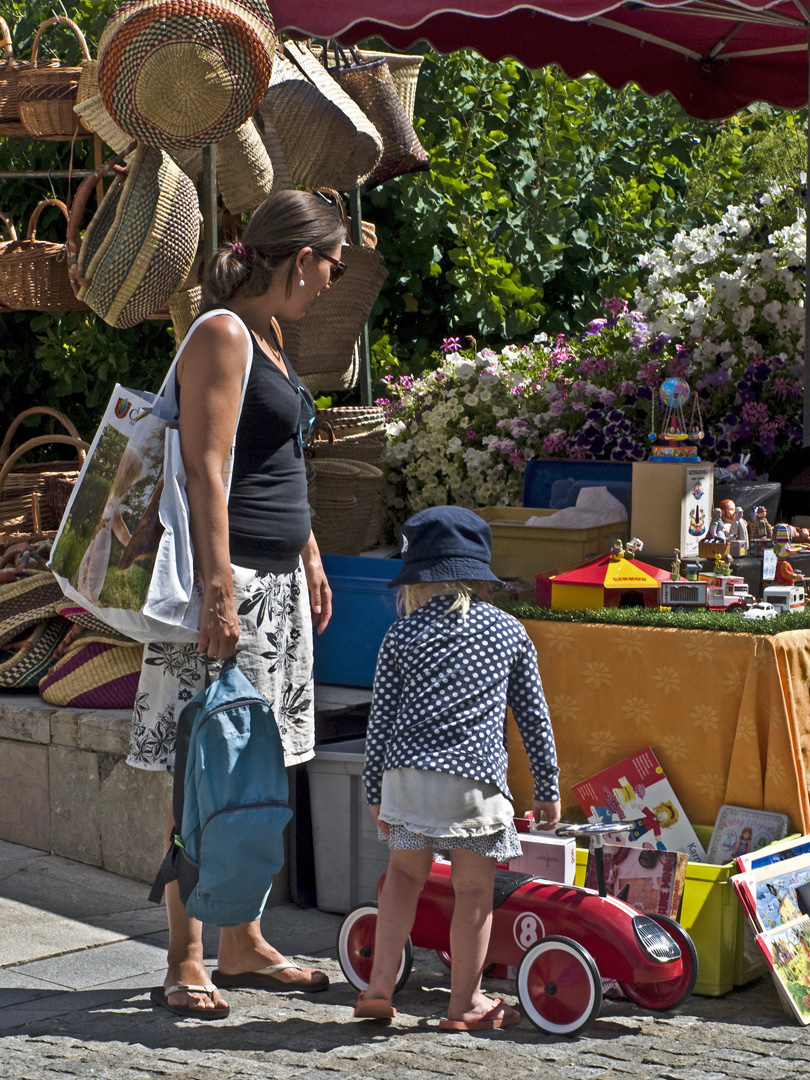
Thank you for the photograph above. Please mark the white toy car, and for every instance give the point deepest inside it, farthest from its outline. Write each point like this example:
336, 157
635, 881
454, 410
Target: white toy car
761, 610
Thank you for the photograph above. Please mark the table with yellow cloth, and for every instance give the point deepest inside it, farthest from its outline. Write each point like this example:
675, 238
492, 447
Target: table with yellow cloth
727, 715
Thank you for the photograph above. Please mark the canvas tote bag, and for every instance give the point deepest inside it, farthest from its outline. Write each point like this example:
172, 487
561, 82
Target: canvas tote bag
123, 550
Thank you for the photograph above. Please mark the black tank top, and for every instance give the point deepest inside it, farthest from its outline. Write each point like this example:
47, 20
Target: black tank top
268, 510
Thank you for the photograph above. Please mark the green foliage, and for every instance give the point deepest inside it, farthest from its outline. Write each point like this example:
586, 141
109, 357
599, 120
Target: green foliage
726, 622
542, 192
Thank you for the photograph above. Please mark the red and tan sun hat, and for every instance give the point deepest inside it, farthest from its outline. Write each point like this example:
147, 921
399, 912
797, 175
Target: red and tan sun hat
178, 74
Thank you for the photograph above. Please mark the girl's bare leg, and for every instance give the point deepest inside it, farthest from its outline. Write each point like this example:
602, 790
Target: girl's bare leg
404, 880
473, 879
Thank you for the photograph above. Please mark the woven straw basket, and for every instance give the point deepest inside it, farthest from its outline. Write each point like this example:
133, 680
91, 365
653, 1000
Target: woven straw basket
322, 346
34, 273
335, 524
26, 510
10, 123
94, 116
180, 74
245, 170
360, 479
142, 241
404, 72
47, 91
328, 141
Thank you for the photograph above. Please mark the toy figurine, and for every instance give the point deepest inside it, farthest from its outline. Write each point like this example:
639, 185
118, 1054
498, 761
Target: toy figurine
617, 551
634, 548
782, 546
675, 570
759, 528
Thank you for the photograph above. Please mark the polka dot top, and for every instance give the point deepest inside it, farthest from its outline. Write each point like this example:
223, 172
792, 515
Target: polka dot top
441, 690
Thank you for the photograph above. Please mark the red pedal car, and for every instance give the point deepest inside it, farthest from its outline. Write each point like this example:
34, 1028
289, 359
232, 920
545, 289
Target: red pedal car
562, 939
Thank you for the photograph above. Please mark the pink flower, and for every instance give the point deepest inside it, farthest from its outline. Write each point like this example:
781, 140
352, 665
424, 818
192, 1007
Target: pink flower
451, 344
615, 305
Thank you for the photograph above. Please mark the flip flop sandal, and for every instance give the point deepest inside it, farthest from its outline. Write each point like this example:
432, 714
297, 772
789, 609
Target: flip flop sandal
374, 1009
160, 996
264, 979
486, 1023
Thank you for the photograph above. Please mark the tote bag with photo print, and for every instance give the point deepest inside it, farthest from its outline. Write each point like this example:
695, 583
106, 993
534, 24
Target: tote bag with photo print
123, 550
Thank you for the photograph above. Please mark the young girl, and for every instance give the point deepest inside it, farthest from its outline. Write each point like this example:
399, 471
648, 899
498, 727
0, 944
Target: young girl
435, 771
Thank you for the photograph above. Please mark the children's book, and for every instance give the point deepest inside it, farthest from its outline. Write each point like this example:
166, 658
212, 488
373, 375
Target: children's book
739, 830
786, 948
778, 852
636, 790
645, 878
769, 894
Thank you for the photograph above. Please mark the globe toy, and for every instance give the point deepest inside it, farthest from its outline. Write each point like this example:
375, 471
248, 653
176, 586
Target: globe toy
675, 393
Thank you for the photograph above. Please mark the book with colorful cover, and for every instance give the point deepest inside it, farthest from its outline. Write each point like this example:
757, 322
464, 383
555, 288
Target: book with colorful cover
769, 894
738, 830
637, 790
647, 879
778, 852
786, 949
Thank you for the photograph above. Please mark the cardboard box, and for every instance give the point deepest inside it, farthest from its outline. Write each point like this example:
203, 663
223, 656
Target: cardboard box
713, 917
553, 858
672, 506
521, 551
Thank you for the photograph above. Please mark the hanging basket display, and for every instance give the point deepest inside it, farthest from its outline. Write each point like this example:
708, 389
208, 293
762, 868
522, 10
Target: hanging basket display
47, 90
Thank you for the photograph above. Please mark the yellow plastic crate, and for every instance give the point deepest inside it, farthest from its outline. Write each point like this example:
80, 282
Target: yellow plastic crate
521, 551
713, 917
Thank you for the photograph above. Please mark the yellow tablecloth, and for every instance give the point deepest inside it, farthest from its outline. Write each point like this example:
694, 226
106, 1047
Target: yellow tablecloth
727, 715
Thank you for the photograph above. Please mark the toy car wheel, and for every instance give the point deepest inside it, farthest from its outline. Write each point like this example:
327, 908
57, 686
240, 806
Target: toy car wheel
356, 948
559, 987
666, 995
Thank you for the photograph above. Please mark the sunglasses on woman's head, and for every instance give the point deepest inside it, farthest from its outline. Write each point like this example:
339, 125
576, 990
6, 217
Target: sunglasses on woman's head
336, 268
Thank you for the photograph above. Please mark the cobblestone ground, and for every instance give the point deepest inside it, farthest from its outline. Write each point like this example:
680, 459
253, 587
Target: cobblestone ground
296, 1037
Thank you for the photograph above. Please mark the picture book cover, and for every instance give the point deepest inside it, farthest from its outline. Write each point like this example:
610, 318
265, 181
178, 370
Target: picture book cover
769, 894
787, 951
637, 790
778, 852
739, 830
645, 878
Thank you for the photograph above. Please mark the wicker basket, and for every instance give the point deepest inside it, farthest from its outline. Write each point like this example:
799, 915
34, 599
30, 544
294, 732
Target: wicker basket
334, 523
25, 511
47, 90
357, 478
34, 273
9, 76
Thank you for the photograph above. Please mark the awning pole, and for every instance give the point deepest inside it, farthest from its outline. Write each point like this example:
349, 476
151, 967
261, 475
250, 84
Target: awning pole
806, 425
365, 350
208, 203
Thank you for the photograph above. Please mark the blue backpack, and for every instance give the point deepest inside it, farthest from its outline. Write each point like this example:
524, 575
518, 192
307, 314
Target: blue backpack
230, 798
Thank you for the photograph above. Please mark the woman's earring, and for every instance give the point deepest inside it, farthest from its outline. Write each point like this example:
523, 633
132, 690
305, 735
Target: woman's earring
302, 283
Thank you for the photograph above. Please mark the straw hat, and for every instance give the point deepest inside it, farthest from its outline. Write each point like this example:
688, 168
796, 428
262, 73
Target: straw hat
184, 73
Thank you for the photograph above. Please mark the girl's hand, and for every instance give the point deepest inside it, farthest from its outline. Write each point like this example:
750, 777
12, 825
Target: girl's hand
551, 811
381, 825
219, 624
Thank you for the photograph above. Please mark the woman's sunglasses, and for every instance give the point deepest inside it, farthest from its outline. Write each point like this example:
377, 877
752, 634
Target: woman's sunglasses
336, 268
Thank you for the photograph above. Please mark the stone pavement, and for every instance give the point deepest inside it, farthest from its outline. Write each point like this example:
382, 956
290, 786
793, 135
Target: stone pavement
80, 948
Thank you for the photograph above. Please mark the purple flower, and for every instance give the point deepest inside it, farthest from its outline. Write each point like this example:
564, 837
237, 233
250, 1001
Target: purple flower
451, 344
614, 305
470, 435
760, 372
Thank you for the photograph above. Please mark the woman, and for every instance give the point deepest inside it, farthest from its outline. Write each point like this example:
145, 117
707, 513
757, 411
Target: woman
264, 584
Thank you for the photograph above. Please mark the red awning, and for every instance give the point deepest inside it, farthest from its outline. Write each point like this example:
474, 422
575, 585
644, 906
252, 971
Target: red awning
715, 56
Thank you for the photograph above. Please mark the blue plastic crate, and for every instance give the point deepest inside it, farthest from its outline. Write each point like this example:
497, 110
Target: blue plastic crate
363, 607
542, 473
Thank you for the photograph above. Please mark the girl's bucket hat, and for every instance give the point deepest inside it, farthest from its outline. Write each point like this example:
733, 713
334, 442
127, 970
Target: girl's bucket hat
445, 543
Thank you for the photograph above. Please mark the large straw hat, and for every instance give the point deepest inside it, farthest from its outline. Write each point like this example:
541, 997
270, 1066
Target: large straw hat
185, 73
142, 241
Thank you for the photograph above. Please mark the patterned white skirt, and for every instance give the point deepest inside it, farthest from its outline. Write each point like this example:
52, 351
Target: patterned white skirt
274, 652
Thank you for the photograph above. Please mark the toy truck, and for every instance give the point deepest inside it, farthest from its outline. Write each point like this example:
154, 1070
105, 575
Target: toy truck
717, 592
785, 597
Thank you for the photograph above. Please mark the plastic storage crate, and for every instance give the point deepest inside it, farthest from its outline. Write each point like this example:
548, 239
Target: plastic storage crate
521, 551
713, 917
348, 856
363, 607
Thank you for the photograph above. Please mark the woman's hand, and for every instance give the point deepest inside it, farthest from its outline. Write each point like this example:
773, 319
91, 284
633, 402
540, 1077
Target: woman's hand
320, 595
219, 623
